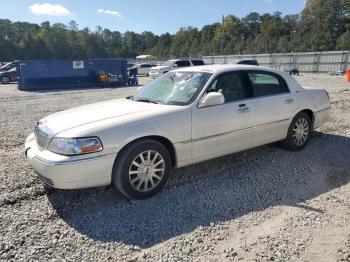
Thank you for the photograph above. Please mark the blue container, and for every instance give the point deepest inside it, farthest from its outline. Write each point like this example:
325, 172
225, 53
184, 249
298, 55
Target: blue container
56, 74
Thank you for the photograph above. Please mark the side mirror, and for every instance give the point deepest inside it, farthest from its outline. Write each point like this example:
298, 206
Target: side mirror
211, 99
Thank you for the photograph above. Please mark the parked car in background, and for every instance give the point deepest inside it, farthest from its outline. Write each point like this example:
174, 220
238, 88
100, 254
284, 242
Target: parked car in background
9, 76
141, 69
7, 66
183, 117
174, 64
246, 62
129, 65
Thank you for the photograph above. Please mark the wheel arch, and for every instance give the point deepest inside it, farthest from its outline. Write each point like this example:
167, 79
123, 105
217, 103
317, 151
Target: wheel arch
161, 139
310, 113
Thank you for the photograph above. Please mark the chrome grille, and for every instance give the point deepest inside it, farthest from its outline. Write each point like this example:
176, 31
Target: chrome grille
41, 137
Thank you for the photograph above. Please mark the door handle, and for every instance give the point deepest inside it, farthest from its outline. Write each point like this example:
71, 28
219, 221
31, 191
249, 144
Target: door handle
289, 101
244, 109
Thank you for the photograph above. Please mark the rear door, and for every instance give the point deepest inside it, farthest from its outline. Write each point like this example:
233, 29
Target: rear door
274, 106
223, 129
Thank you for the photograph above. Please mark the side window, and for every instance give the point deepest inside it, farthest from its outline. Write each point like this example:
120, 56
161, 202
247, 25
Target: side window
197, 62
267, 84
230, 85
182, 63
146, 65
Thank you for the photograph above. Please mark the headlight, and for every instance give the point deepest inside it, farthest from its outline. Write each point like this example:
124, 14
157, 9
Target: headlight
75, 146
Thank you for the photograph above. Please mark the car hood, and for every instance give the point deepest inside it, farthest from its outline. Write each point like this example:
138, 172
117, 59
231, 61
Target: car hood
159, 67
84, 115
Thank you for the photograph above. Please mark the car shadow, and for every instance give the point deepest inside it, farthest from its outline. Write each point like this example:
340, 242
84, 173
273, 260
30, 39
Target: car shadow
211, 192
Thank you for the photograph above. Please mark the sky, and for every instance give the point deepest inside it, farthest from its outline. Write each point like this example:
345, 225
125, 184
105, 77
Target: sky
157, 16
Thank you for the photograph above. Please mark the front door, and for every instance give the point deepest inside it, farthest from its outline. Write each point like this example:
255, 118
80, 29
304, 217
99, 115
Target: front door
223, 129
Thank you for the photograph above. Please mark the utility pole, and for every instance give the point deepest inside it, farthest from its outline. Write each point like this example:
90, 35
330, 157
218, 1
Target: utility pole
222, 35
292, 32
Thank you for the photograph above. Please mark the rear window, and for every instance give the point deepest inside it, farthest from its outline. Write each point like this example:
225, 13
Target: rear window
248, 62
197, 62
264, 84
183, 63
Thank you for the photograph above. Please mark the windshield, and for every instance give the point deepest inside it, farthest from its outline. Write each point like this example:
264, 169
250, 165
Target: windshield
173, 88
8, 65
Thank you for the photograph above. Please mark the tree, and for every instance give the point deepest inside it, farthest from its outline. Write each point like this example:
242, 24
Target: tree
322, 25
343, 42
322, 22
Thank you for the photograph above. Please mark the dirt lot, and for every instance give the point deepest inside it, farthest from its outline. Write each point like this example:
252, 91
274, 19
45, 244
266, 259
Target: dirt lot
265, 204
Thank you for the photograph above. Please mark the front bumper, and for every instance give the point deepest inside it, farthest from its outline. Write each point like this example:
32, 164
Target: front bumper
69, 172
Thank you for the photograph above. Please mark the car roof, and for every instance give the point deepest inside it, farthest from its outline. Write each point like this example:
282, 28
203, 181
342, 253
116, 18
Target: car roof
219, 68
186, 59
240, 60
174, 60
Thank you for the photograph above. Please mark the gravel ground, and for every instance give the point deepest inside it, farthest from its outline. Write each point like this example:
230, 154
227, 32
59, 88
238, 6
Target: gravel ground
264, 204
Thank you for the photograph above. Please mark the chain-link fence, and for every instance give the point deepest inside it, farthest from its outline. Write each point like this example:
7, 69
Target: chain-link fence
315, 62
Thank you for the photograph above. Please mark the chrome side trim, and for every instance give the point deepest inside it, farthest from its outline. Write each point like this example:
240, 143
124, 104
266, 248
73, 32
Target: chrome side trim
328, 108
226, 133
67, 162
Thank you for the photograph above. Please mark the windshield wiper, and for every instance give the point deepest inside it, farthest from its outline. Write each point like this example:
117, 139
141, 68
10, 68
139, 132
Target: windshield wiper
147, 101
175, 103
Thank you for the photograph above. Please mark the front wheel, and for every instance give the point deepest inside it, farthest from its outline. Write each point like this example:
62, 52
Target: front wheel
142, 170
298, 133
5, 80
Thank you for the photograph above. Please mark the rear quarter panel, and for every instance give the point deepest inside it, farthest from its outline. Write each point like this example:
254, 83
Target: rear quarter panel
314, 99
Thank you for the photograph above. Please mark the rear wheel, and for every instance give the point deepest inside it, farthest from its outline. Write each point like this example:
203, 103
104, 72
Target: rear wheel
5, 80
142, 170
298, 133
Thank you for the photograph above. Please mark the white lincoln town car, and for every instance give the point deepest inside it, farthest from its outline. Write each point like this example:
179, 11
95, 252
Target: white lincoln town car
183, 117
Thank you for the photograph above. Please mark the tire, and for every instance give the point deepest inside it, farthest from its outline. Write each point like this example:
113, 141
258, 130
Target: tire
5, 80
135, 177
299, 133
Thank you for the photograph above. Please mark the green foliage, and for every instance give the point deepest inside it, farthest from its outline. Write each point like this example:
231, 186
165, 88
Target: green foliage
323, 25
343, 42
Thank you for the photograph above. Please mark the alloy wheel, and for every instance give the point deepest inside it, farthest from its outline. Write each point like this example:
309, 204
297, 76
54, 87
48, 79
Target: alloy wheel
146, 171
5, 80
300, 131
